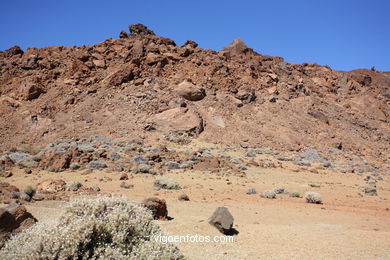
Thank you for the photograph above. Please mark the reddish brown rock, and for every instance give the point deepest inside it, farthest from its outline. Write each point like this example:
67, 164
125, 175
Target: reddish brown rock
178, 119
56, 162
157, 206
30, 91
51, 186
190, 91
14, 218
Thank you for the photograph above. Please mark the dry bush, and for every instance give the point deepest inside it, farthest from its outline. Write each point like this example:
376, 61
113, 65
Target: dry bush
99, 228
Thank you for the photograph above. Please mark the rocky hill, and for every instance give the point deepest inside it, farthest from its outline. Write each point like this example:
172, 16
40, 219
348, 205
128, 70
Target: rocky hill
143, 86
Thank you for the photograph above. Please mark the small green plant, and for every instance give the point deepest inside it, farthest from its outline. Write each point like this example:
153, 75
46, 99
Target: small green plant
30, 190
33, 150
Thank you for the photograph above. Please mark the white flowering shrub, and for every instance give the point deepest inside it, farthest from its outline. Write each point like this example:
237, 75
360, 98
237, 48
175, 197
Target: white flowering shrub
313, 197
98, 228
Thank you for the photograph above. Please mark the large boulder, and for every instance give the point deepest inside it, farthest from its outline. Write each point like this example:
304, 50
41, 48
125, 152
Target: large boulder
56, 162
157, 206
222, 219
14, 218
30, 91
122, 75
190, 91
177, 120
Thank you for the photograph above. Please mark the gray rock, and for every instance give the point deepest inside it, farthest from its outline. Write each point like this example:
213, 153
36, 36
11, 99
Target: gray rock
95, 188
279, 190
18, 157
139, 160
125, 185
114, 156
74, 166
165, 183
250, 154
285, 159
268, 194
186, 164
144, 168
242, 167
24, 196
294, 194
250, 191
96, 165
370, 190
222, 219
172, 165
312, 155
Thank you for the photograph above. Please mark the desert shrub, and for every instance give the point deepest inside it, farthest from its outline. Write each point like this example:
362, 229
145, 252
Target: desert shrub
31, 149
269, 194
99, 228
294, 194
30, 191
313, 197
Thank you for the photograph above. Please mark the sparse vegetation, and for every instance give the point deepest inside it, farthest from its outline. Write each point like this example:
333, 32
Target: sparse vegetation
33, 150
269, 194
294, 194
100, 228
313, 197
30, 191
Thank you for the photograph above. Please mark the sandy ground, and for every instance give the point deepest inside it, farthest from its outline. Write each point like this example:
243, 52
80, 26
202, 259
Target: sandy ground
348, 225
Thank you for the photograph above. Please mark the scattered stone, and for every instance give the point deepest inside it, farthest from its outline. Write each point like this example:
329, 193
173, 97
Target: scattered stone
279, 190
184, 197
27, 171
313, 197
51, 186
6, 174
125, 185
370, 190
250, 154
294, 194
172, 165
165, 183
124, 177
38, 197
268, 194
157, 206
222, 219
74, 166
73, 186
96, 165
250, 191
95, 188
24, 196
144, 168
285, 159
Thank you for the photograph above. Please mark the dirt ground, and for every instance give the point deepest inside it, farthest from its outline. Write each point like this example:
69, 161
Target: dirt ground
348, 225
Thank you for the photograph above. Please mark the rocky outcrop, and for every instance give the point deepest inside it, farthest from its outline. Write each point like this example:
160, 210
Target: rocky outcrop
157, 206
177, 120
14, 218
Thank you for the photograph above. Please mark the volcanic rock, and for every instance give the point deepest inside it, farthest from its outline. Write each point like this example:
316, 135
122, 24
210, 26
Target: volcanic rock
222, 219
157, 206
190, 91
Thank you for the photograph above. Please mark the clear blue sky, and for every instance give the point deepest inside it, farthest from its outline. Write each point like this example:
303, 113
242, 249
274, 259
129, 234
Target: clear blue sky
343, 34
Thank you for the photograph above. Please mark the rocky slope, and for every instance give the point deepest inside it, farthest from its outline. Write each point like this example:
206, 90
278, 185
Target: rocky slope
142, 86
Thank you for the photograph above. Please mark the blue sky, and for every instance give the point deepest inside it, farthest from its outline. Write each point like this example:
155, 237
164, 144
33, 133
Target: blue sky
345, 35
